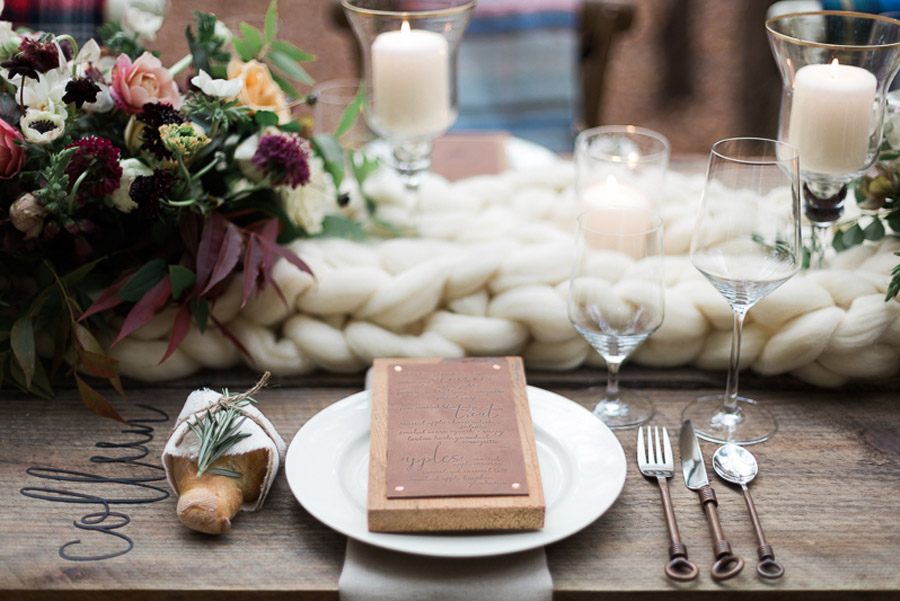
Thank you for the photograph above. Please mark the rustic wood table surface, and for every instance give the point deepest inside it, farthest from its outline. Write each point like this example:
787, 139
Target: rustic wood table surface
828, 494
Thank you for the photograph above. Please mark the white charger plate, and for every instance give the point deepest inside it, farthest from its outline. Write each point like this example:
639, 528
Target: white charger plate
582, 469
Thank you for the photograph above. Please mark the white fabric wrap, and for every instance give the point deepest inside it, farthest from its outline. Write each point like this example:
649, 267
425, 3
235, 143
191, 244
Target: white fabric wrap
489, 276
183, 443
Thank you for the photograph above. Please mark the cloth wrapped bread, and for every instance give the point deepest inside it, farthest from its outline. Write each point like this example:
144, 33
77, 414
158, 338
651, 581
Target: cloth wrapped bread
209, 502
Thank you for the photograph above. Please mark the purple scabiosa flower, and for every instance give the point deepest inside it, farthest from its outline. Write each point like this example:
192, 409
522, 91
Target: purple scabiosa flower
81, 90
148, 191
153, 115
284, 158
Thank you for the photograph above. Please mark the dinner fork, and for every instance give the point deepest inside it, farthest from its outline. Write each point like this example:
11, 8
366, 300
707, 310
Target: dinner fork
655, 461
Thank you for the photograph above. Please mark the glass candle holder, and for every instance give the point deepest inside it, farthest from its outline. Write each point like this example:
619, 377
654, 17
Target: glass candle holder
331, 100
409, 52
836, 67
620, 165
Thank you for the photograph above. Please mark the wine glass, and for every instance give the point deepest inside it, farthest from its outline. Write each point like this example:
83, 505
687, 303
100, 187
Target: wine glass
747, 244
617, 313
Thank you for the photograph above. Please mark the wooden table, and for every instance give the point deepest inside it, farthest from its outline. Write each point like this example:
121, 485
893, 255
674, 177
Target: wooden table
828, 493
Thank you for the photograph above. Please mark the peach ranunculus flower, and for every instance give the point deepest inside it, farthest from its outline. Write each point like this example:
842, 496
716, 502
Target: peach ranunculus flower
260, 92
134, 84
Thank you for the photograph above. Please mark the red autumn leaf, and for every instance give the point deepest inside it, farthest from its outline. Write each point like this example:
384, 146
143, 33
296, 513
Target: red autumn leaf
210, 245
252, 264
144, 310
285, 253
97, 365
96, 402
237, 343
108, 299
228, 257
180, 329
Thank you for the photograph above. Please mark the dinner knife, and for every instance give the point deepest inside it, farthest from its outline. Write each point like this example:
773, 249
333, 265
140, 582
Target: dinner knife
727, 564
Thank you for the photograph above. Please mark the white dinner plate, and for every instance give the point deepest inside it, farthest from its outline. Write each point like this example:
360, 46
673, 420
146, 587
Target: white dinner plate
582, 469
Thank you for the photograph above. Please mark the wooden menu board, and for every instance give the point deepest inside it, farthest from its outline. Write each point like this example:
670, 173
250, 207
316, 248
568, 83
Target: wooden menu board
452, 447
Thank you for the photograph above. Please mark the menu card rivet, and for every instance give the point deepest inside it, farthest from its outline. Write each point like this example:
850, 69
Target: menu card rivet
495, 366
399, 488
398, 368
516, 485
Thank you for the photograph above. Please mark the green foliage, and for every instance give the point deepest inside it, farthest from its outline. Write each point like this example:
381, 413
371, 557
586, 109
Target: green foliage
332, 154
119, 42
894, 287
218, 430
207, 49
283, 58
352, 112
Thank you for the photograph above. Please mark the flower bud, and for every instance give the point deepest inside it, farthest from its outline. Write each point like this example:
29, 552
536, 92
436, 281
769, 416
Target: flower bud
27, 215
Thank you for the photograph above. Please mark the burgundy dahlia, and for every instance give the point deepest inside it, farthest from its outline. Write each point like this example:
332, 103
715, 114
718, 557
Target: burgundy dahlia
154, 115
98, 158
283, 158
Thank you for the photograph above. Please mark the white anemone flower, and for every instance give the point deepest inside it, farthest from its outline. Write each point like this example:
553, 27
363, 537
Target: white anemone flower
104, 102
88, 55
44, 94
221, 32
9, 39
218, 88
42, 127
131, 169
141, 17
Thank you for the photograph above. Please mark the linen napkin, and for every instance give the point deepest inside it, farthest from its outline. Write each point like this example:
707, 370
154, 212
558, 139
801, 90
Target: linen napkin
374, 574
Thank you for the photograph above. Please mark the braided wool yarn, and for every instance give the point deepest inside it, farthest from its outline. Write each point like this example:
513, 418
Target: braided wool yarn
488, 276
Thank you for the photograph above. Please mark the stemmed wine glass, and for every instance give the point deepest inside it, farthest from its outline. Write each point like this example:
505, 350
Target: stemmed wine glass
747, 244
616, 314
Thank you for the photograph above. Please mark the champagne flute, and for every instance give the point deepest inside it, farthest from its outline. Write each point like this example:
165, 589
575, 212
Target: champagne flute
747, 244
617, 297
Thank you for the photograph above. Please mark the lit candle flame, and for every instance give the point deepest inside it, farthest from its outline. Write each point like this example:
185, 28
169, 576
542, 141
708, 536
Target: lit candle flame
633, 159
613, 191
404, 27
833, 70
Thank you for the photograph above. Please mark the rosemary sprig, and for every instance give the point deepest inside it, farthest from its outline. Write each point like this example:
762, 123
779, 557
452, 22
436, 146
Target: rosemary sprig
219, 428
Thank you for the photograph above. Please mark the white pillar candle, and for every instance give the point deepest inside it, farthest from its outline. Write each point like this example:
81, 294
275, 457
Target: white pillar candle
411, 82
617, 210
831, 116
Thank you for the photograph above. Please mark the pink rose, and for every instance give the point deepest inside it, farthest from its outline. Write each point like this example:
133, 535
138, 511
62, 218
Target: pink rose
12, 155
145, 80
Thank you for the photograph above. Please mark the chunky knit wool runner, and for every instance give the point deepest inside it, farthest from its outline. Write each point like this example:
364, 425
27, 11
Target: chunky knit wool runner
488, 276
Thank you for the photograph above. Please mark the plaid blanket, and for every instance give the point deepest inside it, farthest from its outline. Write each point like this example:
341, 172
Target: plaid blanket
518, 71
78, 18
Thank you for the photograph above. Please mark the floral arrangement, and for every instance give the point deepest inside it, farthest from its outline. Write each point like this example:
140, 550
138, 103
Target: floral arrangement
878, 196
127, 187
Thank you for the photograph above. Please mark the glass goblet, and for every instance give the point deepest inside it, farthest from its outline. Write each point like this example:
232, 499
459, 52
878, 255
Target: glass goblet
747, 243
617, 313
836, 67
332, 99
409, 50
620, 164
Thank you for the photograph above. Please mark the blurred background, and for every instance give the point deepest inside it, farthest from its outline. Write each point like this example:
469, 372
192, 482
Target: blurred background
695, 70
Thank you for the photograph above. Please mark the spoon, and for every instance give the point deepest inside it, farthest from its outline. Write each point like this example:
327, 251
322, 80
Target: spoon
737, 465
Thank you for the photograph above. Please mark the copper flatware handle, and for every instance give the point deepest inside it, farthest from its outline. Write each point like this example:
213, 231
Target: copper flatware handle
767, 566
727, 564
679, 568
